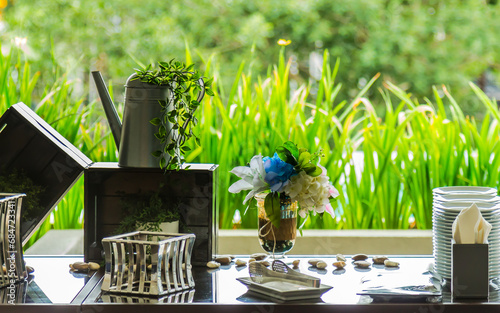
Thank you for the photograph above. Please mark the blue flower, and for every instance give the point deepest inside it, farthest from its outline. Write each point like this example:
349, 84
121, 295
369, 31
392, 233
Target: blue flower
278, 172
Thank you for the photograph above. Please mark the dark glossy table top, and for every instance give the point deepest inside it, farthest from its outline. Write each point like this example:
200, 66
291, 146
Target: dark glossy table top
51, 283
220, 286
218, 289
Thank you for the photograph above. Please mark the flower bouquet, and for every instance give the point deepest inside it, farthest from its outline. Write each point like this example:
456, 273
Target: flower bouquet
291, 172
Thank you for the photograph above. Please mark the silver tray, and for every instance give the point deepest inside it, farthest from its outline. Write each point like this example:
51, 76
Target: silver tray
284, 289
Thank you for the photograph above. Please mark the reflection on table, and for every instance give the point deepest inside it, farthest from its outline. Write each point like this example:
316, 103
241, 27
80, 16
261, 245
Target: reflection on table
52, 282
219, 286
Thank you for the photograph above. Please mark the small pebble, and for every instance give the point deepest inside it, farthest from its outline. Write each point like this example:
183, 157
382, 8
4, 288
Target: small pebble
341, 257
223, 260
94, 266
79, 266
380, 259
296, 263
265, 263
259, 256
313, 262
362, 264
359, 257
321, 265
390, 263
239, 262
213, 264
339, 264
251, 260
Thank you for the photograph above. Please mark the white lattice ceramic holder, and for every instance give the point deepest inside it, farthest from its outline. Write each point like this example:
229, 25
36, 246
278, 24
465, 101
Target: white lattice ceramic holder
148, 263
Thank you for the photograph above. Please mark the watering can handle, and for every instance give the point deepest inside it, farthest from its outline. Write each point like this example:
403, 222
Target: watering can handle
201, 94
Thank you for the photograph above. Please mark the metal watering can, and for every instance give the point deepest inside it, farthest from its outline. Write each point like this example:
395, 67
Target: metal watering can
135, 139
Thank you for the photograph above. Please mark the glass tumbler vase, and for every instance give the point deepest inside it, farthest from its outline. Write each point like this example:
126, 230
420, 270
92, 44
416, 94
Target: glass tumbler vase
275, 240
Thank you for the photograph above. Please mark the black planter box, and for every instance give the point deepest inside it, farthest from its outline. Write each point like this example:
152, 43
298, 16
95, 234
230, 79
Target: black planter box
30, 145
195, 189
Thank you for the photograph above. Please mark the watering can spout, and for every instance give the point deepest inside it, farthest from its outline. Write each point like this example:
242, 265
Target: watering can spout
109, 108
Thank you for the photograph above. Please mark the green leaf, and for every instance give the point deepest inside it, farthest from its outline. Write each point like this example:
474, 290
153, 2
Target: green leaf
292, 148
273, 209
156, 153
163, 162
156, 121
286, 155
170, 146
304, 158
171, 152
208, 82
316, 172
209, 92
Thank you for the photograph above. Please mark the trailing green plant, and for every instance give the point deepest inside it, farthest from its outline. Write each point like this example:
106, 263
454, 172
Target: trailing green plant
177, 120
147, 212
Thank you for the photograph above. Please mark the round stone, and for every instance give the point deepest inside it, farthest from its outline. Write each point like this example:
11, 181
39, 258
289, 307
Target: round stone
390, 263
379, 259
362, 264
359, 257
339, 264
213, 264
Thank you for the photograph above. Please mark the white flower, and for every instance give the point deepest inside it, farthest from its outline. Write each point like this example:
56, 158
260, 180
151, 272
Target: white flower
312, 193
252, 178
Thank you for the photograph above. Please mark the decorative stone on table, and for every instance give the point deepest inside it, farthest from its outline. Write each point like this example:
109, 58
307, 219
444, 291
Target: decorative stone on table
339, 264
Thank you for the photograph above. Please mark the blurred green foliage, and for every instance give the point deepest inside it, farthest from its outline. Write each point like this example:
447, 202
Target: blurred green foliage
415, 44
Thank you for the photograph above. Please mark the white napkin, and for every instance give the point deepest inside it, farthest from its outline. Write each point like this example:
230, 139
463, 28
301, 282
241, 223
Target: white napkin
470, 226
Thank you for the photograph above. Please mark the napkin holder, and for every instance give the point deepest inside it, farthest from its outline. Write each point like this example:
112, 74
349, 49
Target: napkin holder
469, 270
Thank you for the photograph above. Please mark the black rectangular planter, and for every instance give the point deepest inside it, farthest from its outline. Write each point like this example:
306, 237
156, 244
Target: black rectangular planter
195, 188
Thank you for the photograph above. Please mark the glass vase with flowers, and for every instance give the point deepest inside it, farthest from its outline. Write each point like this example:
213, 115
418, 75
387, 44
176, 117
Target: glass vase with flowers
290, 182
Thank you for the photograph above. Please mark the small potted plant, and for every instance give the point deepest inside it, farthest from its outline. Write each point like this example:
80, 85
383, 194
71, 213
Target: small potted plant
149, 212
176, 120
16, 181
